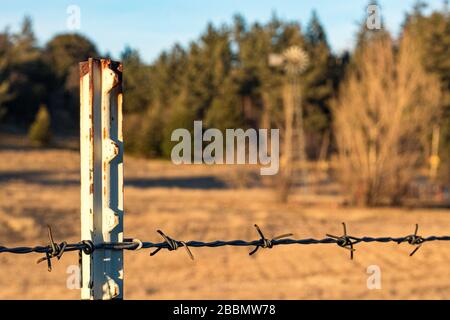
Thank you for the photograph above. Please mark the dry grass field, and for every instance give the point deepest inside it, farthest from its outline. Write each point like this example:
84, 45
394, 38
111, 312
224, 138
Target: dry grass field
39, 187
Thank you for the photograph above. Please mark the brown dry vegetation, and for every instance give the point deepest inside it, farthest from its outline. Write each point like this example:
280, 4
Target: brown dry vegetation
197, 202
383, 118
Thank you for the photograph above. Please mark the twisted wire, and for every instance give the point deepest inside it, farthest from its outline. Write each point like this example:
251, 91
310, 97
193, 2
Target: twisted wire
54, 250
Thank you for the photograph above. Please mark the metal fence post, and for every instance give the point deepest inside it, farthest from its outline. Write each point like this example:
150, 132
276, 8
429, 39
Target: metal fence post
101, 146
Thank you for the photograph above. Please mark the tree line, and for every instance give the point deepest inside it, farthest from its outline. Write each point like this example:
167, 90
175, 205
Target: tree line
224, 79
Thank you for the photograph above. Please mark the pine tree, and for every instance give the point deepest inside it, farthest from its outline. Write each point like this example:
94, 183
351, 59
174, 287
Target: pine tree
179, 116
225, 109
136, 81
319, 82
252, 72
61, 56
4, 83
432, 34
315, 33
40, 132
25, 73
209, 64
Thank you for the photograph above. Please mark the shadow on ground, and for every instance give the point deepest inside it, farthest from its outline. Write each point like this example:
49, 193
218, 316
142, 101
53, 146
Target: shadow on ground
201, 183
41, 177
45, 178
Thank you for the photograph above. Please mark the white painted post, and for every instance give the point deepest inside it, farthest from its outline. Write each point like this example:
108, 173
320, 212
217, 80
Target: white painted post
101, 146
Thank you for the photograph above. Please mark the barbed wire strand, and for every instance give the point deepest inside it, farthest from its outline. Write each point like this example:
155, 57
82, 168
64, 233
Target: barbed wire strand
56, 250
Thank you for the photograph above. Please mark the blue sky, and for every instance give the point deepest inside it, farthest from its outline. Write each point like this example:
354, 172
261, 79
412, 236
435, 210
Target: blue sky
152, 26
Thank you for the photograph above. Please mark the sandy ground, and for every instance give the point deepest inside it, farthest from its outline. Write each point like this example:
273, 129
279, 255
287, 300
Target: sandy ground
39, 187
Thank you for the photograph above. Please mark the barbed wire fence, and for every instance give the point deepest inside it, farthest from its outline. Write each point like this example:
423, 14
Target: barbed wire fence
56, 250
102, 199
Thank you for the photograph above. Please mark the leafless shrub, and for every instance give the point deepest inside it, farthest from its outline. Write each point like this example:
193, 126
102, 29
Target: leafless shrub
383, 117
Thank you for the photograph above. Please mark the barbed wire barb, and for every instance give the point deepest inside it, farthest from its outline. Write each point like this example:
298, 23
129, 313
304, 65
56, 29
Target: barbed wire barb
346, 241
266, 243
57, 250
414, 240
172, 245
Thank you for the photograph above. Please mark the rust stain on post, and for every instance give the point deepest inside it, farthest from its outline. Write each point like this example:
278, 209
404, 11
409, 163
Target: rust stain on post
84, 68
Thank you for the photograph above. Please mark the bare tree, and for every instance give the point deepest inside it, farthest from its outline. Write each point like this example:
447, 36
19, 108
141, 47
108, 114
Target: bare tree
383, 118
